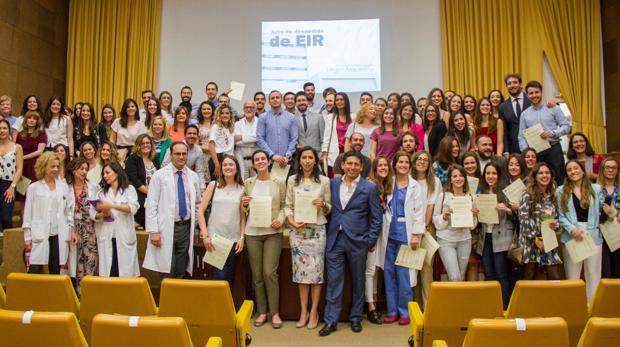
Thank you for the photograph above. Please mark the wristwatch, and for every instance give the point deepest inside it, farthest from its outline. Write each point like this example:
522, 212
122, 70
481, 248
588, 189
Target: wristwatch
13, 185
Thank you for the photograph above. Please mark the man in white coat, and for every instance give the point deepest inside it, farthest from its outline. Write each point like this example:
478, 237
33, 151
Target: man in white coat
171, 208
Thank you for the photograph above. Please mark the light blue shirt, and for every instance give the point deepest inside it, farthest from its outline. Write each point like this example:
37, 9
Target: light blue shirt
550, 118
277, 132
568, 219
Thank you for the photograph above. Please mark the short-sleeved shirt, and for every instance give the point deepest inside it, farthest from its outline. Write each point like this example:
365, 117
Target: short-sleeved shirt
387, 143
127, 136
224, 139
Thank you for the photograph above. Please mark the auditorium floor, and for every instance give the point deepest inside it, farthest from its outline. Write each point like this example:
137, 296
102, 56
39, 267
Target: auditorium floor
372, 335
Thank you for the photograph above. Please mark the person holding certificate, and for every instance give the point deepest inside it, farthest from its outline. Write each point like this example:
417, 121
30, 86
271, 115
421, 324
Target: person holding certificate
447, 154
430, 189
454, 240
264, 236
226, 218
580, 205
538, 202
494, 239
382, 176
609, 180
404, 225
308, 200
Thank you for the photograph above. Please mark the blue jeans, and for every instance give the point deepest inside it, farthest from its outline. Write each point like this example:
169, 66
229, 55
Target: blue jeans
6, 209
496, 267
228, 270
398, 291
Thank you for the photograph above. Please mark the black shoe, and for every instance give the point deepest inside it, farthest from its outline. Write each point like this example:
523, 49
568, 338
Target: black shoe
356, 327
374, 317
327, 329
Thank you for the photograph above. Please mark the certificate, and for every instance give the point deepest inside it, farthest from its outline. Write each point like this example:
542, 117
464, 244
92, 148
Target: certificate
236, 90
581, 250
260, 212
217, 257
407, 257
514, 191
532, 136
550, 241
487, 204
472, 182
304, 210
431, 246
279, 172
461, 217
611, 233
22, 185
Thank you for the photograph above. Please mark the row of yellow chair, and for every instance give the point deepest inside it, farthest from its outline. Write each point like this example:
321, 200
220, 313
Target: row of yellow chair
206, 306
451, 306
61, 329
537, 332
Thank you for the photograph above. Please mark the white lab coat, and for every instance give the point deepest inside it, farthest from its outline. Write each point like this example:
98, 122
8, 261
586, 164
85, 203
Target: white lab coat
161, 206
37, 217
71, 270
414, 223
123, 229
330, 139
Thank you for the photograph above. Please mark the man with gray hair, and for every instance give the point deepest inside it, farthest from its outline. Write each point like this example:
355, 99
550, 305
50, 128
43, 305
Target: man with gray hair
245, 138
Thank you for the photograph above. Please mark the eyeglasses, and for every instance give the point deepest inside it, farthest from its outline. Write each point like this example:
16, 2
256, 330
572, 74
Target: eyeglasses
180, 154
611, 168
422, 159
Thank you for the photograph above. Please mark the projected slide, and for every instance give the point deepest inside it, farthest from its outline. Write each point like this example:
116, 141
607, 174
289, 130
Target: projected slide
344, 54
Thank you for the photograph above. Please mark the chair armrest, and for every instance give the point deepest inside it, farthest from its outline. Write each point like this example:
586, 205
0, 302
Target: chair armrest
243, 321
214, 342
440, 343
417, 322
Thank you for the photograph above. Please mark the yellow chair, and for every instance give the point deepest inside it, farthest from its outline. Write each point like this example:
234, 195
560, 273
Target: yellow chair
440, 343
565, 299
450, 307
510, 333
600, 332
208, 309
120, 331
606, 301
50, 329
2, 297
114, 295
48, 293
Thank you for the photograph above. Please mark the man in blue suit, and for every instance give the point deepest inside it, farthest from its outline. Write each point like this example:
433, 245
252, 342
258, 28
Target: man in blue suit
354, 226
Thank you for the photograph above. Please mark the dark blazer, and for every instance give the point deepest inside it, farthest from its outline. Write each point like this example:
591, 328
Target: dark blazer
511, 124
434, 137
134, 167
361, 219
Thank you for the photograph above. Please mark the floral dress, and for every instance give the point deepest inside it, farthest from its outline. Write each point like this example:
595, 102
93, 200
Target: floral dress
530, 229
87, 254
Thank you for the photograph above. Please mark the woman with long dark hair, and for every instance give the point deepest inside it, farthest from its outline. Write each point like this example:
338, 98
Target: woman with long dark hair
85, 127
104, 127
434, 128
58, 126
385, 140
580, 149
126, 129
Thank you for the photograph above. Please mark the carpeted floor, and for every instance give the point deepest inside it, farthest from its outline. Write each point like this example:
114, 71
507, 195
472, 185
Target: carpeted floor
372, 335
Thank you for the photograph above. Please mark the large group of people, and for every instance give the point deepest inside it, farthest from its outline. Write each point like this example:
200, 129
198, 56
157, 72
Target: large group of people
375, 181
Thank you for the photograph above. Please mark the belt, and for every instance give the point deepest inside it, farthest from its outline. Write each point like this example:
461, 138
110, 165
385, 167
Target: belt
182, 222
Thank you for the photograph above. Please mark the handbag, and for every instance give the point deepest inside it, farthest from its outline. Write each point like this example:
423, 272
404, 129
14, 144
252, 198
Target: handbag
208, 209
515, 250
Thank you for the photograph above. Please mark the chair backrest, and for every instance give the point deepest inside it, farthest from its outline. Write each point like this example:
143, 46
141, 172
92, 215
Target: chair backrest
125, 331
114, 295
2, 297
565, 299
451, 305
606, 301
40, 292
517, 332
28, 328
206, 306
600, 332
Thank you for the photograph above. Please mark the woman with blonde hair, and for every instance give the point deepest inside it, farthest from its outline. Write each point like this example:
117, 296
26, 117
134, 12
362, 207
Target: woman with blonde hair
159, 135
33, 140
365, 122
609, 180
221, 138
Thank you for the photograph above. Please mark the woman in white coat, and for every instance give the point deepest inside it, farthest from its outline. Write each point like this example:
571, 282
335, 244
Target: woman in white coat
48, 217
116, 232
404, 225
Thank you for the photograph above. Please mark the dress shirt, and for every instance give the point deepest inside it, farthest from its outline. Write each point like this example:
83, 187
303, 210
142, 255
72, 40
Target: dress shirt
195, 161
277, 132
346, 193
247, 145
550, 118
521, 100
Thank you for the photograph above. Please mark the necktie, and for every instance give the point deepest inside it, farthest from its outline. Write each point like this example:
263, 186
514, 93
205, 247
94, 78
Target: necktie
181, 196
518, 107
303, 117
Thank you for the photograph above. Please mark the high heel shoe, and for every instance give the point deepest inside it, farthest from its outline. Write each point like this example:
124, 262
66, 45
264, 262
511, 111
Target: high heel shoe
313, 325
301, 324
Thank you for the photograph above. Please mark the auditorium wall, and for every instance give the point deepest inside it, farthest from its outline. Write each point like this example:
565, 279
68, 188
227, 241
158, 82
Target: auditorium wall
33, 48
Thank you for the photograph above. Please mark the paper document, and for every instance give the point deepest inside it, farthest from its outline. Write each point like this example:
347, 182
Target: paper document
611, 233
461, 217
22, 185
279, 172
431, 246
472, 182
514, 191
236, 90
260, 212
487, 204
532, 136
550, 241
581, 250
304, 210
218, 256
409, 258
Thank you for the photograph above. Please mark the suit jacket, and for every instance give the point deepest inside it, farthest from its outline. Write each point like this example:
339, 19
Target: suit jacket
361, 219
312, 137
134, 167
511, 124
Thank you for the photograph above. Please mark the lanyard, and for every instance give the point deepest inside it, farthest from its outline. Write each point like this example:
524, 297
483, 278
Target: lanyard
78, 200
